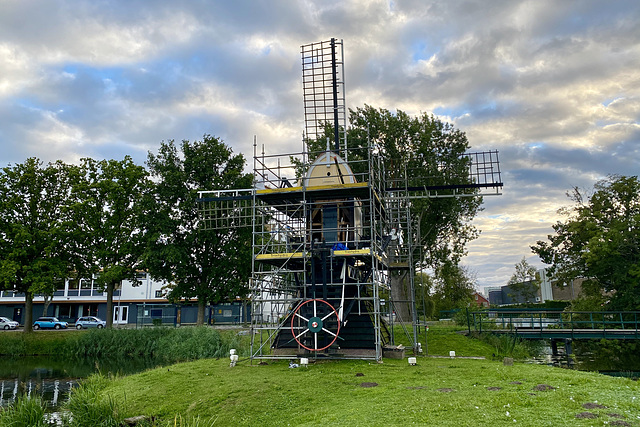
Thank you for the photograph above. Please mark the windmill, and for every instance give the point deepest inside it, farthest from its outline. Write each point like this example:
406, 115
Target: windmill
330, 228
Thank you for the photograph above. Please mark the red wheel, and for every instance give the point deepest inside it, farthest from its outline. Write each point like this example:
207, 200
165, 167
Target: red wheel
317, 326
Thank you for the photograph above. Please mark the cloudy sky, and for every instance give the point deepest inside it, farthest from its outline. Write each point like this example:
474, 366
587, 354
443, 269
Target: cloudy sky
553, 85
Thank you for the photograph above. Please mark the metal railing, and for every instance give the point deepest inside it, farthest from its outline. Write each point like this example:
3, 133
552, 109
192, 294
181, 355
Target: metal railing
547, 322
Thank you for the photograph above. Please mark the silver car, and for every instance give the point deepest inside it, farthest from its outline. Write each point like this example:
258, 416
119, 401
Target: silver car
90, 322
8, 324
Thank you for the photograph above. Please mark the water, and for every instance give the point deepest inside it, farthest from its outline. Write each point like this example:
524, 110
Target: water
593, 357
52, 378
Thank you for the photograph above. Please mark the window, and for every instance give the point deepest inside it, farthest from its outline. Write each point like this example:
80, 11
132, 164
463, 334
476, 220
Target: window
159, 294
90, 310
65, 310
73, 283
141, 276
227, 313
60, 284
85, 283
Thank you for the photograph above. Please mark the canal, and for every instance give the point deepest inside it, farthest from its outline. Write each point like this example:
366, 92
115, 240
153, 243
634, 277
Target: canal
51, 378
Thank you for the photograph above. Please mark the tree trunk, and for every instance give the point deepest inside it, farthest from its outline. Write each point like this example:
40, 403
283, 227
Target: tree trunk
400, 298
110, 287
201, 305
28, 312
47, 302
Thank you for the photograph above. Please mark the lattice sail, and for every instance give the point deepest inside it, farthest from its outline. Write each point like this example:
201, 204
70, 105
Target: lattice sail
323, 90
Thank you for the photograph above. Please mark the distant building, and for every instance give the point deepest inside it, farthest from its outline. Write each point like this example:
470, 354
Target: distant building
494, 295
480, 300
553, 290
143, 304
548, 291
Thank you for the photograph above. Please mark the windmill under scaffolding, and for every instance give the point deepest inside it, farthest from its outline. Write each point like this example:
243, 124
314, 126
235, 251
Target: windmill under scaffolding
330, 228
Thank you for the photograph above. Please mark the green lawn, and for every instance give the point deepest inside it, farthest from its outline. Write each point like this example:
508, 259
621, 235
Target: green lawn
439, 392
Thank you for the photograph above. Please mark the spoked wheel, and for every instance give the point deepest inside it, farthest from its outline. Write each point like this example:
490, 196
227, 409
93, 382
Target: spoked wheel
315, 325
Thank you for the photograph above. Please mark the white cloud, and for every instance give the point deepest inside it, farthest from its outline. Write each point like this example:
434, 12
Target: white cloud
554, 86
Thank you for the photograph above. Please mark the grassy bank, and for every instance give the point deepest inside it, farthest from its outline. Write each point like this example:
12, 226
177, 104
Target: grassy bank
438, 392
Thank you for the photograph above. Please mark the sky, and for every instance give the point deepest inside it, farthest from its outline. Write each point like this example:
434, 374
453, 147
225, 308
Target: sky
554, 86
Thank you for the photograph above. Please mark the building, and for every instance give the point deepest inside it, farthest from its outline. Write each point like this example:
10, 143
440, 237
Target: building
479, 300
548, 290
141, 304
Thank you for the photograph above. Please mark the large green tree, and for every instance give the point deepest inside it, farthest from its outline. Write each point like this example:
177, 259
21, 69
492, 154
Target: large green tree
108, 230
33, 241
208, 265
421, 151
599, 240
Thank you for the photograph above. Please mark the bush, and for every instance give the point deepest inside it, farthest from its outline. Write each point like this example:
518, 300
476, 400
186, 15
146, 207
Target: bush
507, 345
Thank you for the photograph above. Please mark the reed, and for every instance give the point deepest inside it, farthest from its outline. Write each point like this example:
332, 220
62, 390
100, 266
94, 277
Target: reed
88, 408
167, 344
24, 412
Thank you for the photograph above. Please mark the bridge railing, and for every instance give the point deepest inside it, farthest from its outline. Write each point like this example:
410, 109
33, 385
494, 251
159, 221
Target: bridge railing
514, 319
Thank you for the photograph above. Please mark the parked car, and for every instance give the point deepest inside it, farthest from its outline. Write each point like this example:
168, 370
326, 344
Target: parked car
90, 322
7, 323
49, 322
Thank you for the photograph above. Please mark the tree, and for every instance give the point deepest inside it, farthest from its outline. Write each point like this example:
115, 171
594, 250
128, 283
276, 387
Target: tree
525, 282
454, 287
209, 265
600, 241
428, 152
108, 227
33, 253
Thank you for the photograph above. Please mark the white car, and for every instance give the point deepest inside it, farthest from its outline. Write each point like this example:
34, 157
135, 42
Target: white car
90, 322
8, 324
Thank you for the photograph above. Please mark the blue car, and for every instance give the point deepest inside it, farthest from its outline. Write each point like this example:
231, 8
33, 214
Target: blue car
50, 323
90, 322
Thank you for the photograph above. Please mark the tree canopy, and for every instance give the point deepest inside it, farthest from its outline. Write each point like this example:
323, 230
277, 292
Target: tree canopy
431, 153
424, 151
108, 222
454, 287
600, 241
33, 255
210, 265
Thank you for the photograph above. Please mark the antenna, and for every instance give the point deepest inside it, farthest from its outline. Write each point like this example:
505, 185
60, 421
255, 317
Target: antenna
323, 90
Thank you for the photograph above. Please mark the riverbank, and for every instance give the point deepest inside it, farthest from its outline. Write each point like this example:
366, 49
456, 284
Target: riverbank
437, 391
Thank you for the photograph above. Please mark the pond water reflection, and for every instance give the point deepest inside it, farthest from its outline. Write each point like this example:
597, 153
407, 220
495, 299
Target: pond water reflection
593, 357
51, 378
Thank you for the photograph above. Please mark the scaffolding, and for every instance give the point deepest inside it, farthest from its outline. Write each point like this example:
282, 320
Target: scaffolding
331, 230
322, 246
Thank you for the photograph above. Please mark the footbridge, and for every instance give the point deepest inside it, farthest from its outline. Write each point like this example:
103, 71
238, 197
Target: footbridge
556, 324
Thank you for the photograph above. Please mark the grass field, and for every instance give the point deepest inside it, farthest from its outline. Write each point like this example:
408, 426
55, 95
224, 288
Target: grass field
436, 392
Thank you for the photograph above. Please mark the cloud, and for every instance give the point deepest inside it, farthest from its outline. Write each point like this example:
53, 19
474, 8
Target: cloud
554, 86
